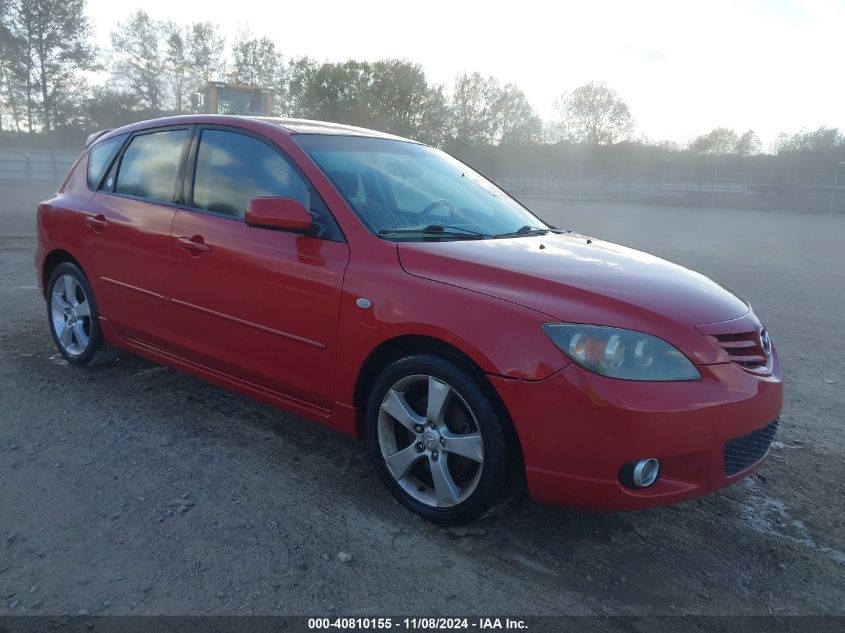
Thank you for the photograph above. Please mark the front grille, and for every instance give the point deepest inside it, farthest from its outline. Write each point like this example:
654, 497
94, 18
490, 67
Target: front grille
743, 452
744, 349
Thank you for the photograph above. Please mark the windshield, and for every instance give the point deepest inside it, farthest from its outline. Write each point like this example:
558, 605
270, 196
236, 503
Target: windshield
402, 190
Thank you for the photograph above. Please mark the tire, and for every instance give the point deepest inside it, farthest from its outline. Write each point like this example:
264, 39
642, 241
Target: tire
74, 320
428, 423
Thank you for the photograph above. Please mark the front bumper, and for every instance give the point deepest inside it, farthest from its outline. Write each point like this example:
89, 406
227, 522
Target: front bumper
577, 429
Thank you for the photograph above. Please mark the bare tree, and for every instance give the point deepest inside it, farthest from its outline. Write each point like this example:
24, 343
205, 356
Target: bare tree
138, 62
594, 113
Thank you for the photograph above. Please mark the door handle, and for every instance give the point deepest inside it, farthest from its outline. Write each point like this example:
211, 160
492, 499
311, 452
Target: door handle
97, 222
194, 245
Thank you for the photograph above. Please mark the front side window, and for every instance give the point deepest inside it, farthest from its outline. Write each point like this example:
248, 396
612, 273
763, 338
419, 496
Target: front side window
233, 168
150, 165
402, 190
99, 158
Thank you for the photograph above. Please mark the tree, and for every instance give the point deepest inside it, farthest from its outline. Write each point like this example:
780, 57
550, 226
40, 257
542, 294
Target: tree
720, 142
256, 61
177, 62
475, 110
13, 69
433, 122
518, 120
594, 113
70, 105
748, 144
822, 139
49, 41
206, 47
404, 104
391, 95
300, 74
110, 108
341, 92
552, 133
138, 62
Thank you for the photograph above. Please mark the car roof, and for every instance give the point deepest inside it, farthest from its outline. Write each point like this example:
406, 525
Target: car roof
308, 126
291, 126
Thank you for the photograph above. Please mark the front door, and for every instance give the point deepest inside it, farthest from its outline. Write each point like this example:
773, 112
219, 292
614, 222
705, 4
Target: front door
258, 304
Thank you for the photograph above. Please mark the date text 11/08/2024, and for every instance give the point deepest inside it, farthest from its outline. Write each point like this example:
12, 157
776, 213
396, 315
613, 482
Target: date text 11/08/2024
414, 624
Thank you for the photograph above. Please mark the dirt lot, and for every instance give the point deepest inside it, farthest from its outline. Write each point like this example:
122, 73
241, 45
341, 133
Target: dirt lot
134, 489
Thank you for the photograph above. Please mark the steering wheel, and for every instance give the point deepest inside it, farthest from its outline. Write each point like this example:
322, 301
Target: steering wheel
442, 202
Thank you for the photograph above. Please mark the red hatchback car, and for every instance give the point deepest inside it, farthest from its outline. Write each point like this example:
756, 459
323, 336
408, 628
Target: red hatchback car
387, 290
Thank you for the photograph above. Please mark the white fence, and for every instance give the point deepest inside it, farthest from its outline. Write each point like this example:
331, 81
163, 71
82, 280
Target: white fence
32, 166
828, 199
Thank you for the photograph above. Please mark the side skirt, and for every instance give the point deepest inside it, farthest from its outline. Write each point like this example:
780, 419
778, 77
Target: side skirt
341, 418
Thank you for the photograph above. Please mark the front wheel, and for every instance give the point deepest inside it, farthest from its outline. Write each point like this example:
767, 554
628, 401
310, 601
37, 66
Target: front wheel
74, 319
437, 440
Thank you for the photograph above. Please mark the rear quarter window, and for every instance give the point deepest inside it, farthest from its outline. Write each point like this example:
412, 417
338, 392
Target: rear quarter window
99, 158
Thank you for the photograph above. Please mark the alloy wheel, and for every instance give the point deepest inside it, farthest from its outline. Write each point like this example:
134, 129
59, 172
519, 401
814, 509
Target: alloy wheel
70, 315
430, 441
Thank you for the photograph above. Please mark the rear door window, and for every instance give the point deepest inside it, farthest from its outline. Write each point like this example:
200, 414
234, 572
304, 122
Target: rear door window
150, 165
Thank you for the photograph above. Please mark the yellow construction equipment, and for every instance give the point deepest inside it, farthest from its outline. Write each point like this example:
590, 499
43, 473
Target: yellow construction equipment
219, 97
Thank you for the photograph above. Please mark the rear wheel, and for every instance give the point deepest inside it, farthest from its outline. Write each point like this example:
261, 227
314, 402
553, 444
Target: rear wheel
74, 319
437, 441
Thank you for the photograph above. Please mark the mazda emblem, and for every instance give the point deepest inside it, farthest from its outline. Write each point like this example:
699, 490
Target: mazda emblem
765, 341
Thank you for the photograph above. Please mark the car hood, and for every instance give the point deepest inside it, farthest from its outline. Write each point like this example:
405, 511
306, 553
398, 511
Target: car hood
573, 278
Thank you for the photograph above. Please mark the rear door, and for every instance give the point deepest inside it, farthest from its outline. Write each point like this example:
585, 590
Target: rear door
254, 303
129, 221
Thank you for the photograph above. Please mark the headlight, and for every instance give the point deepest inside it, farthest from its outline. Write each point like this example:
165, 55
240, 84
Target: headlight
623, 354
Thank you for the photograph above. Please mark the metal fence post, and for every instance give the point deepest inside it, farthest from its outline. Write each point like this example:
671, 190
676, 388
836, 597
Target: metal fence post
769, 190
835, 185
715, 177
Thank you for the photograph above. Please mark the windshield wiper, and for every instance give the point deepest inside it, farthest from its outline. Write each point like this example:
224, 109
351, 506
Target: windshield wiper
447, 230
524, 230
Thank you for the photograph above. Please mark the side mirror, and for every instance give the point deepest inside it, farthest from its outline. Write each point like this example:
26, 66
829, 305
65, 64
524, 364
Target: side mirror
284, 214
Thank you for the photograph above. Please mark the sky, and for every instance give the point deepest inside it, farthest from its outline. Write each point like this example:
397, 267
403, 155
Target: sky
684, 67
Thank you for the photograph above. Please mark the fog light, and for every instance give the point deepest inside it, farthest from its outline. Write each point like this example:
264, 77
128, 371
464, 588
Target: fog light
640, 474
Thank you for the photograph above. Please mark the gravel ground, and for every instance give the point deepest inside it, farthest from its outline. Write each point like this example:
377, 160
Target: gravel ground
134, 489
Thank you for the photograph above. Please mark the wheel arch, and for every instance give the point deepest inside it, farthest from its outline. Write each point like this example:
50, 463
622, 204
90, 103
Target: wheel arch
54, 258
398, 347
